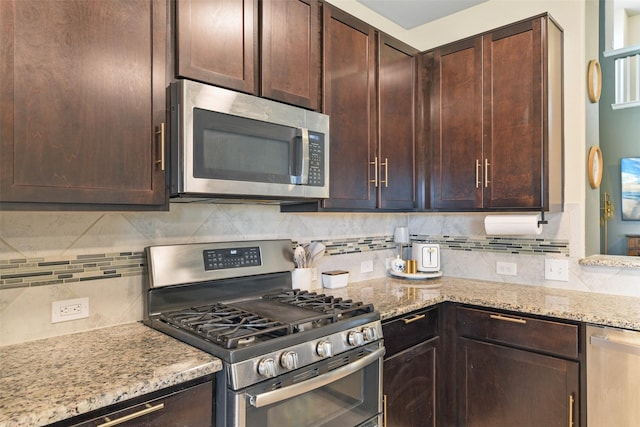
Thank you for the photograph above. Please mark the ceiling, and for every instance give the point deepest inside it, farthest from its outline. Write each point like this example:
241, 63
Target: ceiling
413, 13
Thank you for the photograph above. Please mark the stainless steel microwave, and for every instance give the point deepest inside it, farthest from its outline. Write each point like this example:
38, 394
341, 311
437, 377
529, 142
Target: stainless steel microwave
229, 144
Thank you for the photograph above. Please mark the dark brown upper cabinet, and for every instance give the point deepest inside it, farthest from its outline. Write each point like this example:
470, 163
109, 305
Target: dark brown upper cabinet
369, 81
81, 106
496, 120
270, 49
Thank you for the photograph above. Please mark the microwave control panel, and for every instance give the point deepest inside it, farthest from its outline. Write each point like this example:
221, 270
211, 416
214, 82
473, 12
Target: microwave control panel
316, 159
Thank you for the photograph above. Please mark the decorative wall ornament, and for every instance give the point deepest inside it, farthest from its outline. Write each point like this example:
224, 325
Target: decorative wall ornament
594, 81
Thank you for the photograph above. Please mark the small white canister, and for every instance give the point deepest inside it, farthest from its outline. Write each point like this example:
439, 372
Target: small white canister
335, 279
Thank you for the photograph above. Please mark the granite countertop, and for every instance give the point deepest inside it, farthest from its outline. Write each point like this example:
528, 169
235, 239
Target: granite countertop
42, 381
53, 379
393, 297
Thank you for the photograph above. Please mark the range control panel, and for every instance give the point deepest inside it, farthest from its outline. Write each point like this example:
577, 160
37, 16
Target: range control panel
217, 259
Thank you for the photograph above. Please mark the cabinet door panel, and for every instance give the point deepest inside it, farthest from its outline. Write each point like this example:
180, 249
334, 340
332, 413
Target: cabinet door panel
291, 52
457, 126
396, 101
501, 386
80, 102
513, 117
217, 42
410, 386
350, 99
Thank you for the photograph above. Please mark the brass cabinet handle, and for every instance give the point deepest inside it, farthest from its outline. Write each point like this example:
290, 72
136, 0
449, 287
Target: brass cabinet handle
508, 319
384, 410
161, 133
486, 173
478, 167
386, 173
375, 171
414, 318
149, 409
571, 400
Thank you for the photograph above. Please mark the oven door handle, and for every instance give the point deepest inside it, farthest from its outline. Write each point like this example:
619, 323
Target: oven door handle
275, 396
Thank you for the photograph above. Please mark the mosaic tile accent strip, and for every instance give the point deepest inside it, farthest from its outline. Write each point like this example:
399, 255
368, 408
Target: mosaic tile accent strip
510, 245
356, 245
23, 272
18, 273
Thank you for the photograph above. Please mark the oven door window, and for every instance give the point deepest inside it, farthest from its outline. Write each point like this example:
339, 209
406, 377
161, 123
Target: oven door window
234, 148
347, 402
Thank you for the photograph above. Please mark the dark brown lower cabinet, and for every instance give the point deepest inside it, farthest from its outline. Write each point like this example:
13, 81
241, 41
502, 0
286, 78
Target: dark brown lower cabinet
190, 404
410, 386
515, 370
410, 368
502, 386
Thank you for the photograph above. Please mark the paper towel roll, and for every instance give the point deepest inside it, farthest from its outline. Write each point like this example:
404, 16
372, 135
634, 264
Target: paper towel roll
499, 225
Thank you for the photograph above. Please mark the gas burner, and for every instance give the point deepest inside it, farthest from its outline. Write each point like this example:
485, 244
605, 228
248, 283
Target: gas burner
225, 325
320, 302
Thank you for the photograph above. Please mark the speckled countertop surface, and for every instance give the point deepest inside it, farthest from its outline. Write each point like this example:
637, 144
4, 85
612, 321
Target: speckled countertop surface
42, 382
57, 378
393, 297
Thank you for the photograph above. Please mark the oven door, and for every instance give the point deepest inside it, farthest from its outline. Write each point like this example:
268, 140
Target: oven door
335, 393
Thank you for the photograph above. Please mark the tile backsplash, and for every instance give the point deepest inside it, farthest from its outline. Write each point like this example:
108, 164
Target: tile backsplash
50, 256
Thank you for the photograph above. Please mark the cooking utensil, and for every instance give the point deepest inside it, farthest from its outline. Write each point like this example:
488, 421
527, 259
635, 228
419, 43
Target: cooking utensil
299, 256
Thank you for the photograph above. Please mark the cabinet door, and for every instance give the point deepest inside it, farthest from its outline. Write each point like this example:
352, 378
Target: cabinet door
291, 52
350, 100
513, 116
396, 116
457, 126
502, 386
80, 103
217, 42
410, 386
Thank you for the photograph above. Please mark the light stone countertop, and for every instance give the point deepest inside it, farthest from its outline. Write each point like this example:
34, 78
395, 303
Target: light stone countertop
42, 381
393, 297
53, 379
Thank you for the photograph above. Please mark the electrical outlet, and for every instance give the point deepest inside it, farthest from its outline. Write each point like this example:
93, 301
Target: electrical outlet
366, 266
507, 268
556, 269
70, 309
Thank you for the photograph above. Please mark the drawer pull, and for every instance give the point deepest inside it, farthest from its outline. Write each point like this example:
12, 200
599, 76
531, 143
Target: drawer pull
414, 318
508, 319
149, 409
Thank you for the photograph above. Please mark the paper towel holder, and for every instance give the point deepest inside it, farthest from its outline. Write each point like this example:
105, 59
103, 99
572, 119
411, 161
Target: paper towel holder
542, 220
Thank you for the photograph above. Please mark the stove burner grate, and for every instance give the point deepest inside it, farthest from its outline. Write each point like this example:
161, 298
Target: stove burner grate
224, 325
340, 308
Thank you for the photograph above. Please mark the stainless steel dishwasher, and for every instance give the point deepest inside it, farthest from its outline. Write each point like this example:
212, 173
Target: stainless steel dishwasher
613, 377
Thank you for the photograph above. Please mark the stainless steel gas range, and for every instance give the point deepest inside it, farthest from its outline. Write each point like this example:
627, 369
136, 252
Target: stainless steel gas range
290, 357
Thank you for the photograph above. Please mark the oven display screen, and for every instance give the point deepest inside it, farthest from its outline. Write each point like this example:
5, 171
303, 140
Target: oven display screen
218, 259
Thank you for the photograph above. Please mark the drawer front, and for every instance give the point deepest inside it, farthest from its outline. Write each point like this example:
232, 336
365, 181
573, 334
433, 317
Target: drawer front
191, 407
410, 329
520, 331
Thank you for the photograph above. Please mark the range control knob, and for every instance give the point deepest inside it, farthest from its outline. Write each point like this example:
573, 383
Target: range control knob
324, 349
370, 333
267, 368
355, 338
289, 360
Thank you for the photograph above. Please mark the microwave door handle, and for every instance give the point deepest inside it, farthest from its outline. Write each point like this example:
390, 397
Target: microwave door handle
302, 157
275, 396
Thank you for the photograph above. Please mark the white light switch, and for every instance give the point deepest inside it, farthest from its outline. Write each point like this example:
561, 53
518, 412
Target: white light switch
556, 269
